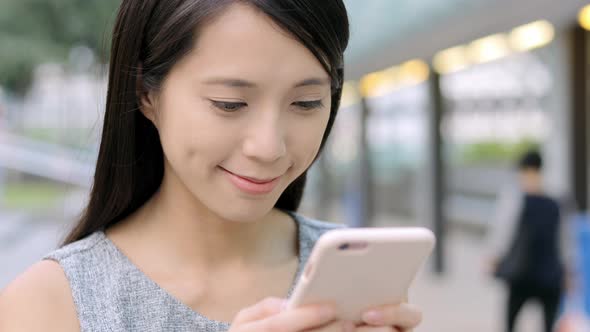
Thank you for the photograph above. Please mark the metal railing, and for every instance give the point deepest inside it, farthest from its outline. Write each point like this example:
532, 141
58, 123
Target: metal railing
46, 160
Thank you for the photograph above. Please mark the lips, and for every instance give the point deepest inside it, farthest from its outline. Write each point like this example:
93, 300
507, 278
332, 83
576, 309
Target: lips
252, 185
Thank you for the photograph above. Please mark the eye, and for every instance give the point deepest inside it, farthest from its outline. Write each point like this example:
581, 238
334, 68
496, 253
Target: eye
228, 106
309, 105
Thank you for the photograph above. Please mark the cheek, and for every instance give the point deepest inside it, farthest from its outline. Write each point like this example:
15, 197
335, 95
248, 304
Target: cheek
307, 138
191, 135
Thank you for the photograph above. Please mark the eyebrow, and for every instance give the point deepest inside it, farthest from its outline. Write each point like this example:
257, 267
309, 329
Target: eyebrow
239, 83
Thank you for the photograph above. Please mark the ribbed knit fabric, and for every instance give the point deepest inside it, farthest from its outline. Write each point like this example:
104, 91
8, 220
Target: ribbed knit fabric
111, 293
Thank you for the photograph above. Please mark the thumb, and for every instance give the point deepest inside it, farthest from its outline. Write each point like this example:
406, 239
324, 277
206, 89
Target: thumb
263, 309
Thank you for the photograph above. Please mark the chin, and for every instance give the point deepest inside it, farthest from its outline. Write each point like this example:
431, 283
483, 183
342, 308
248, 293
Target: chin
245, 212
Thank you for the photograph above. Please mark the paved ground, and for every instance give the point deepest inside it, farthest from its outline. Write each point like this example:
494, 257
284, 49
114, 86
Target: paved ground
464, 298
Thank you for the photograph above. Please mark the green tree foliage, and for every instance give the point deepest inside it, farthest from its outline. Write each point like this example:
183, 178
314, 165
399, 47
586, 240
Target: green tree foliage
496, 152
37, 31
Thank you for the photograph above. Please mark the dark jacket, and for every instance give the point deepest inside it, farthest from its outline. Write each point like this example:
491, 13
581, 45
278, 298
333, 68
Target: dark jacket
539, 229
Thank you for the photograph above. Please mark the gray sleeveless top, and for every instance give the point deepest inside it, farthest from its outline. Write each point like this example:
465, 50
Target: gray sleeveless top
111, 293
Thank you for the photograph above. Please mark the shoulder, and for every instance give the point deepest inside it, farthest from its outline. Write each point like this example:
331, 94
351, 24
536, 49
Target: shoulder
42, 298
545, 200
38, 300
81, 247
318, 225
312, 229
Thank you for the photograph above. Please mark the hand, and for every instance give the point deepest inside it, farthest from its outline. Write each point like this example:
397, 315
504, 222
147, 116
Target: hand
391, 318
269, 316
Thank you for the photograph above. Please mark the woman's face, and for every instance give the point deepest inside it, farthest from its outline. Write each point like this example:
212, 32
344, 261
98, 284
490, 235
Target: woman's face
241, 116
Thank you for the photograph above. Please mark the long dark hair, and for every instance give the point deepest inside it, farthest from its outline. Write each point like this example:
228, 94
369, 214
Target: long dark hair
149, 37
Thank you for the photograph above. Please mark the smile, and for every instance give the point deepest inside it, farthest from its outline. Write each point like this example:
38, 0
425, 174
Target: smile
252, 185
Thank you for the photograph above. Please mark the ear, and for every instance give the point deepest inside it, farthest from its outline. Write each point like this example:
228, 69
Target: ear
146, 99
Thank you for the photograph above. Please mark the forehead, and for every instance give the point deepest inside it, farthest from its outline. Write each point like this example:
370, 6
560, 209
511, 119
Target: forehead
242, 41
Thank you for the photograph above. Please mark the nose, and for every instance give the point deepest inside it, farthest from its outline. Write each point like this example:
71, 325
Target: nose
266, 139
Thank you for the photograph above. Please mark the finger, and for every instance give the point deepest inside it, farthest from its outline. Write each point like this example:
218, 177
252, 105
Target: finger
336, 326
263, 309
401, 329
402, 315
296, 320
366, 328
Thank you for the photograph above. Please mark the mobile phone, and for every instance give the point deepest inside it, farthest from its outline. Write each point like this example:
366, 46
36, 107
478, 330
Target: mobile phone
360, 268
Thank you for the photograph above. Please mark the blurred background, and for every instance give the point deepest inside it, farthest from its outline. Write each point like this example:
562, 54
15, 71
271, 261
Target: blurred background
441, 98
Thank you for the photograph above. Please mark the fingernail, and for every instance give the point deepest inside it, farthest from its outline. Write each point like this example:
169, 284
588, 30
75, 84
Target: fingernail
373, 317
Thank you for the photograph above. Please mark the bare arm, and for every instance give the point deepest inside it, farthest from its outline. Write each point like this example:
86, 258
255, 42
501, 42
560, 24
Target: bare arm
38, 300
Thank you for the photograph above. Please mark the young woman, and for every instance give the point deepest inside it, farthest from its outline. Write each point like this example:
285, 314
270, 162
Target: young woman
215, 111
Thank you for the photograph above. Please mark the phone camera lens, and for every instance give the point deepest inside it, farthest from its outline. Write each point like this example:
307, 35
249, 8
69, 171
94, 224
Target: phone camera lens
343, 246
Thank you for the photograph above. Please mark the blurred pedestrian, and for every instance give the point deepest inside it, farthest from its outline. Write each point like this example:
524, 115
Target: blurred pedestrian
526, 244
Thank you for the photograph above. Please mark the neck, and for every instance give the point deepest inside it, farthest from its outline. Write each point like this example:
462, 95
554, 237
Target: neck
178, 231
532, 182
